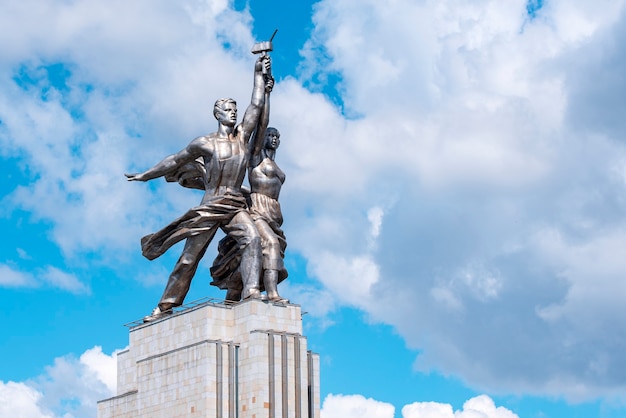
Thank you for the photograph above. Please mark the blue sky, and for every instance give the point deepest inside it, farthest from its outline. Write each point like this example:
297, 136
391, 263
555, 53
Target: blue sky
454, 204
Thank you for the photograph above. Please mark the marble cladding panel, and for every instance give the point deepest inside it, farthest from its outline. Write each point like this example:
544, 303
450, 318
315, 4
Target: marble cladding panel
118, 407
316, 401
177, 381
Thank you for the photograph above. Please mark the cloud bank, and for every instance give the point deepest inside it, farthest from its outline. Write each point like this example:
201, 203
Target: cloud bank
357, 406
69, 388
498, 245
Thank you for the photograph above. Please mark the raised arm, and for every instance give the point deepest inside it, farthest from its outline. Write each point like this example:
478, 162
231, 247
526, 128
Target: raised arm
258, 139
170, 163
251, 117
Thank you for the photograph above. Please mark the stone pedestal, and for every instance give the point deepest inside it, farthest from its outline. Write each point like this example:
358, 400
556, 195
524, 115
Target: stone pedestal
248, 360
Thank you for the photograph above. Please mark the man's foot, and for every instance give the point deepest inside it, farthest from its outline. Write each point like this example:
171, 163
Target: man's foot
157, 313
233, 296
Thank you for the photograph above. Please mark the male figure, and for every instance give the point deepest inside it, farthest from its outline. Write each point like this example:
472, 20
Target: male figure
225, 157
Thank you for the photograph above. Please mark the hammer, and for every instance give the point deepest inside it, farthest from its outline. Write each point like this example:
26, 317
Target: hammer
263, 47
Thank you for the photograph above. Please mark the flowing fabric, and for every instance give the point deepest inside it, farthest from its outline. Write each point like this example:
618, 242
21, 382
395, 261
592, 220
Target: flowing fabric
225, 267
205, 218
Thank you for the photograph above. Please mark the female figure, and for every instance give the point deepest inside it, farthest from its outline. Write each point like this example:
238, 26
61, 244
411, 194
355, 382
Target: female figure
266, 180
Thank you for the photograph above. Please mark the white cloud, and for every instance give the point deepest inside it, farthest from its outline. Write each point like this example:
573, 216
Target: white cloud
20, 400
9, 277
79, 142
427, 410
471, 280
102, 365
64, 281
348, 406
355, 406
479, 407
69, 388
350, 279
591, 266
316, 302
484, 133
375, 216
46, 277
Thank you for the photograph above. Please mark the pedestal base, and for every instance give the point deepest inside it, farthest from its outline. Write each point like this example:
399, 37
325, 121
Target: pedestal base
247, 360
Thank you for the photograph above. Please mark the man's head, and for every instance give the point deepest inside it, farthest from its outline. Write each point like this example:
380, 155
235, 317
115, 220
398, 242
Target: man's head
225, 111
272, 138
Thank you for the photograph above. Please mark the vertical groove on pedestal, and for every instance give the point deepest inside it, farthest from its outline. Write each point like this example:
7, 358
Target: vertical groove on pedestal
298, 375
231, 380
285, 373
311, 383
272, 380
219, 381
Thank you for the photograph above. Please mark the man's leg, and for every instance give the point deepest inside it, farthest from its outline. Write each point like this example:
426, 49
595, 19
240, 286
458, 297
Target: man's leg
243, 230
180, 278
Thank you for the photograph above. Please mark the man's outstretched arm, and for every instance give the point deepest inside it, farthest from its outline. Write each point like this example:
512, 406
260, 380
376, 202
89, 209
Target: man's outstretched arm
165, 166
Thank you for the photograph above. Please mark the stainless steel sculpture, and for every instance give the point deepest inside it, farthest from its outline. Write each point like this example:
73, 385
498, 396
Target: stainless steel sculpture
216, 163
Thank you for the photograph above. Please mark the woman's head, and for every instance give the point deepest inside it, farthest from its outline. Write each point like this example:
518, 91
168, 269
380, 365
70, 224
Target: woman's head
272, 139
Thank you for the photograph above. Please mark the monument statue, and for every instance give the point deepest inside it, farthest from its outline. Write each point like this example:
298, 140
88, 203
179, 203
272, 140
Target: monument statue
266, 180
221, 158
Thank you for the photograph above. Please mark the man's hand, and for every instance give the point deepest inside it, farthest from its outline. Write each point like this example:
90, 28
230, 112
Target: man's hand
135, 177
263, 64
